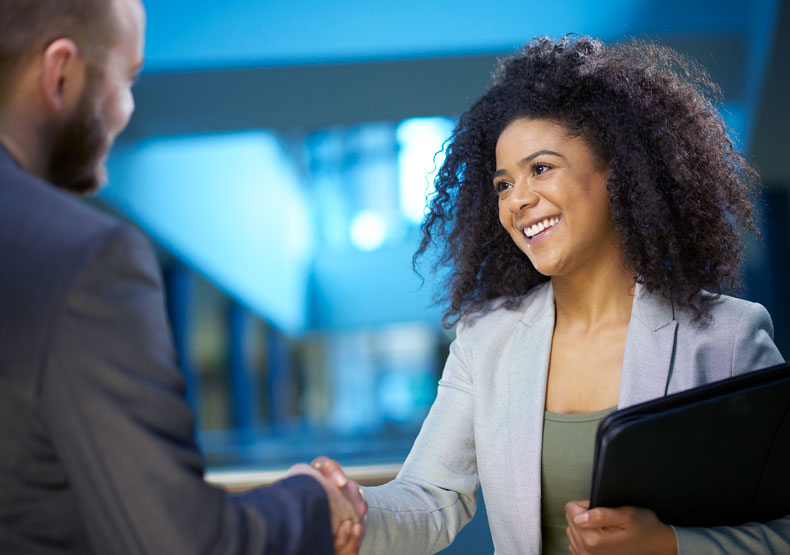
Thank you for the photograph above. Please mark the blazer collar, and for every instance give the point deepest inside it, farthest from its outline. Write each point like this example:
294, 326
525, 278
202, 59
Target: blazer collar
529, 364
539, 300
647, 361
649, 348
651, 309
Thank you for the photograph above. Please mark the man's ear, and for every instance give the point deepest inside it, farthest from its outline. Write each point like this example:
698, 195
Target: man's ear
62, 76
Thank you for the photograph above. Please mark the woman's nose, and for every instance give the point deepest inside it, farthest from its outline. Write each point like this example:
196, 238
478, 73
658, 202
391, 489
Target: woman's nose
523, 196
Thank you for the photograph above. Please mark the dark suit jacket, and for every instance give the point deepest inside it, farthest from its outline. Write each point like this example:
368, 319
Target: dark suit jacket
96, 438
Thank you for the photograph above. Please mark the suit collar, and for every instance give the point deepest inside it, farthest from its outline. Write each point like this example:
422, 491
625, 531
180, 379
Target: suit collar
10, 164
5, 156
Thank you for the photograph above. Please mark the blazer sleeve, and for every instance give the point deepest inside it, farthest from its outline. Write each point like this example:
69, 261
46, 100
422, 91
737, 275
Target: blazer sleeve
753, 348
112, 399
435, 493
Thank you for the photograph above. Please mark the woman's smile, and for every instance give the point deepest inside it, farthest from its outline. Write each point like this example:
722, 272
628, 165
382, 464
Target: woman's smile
541, 227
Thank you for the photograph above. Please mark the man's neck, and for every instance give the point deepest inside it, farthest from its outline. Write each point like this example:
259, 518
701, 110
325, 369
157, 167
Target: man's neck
25, 152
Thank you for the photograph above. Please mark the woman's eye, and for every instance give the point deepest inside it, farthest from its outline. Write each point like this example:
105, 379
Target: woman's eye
501, 186
539, 169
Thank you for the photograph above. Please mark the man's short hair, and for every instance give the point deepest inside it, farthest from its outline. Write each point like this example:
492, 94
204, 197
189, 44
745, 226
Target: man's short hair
28, 26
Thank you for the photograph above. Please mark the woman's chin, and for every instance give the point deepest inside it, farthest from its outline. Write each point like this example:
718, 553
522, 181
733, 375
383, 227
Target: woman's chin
548, 268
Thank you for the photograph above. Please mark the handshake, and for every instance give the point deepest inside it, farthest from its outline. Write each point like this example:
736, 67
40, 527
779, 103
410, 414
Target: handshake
347, 505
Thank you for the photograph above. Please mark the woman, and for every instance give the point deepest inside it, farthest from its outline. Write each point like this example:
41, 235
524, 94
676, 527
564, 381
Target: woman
590, 206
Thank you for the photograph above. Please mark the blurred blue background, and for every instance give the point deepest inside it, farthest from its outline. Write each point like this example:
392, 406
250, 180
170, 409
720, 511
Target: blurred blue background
280, 156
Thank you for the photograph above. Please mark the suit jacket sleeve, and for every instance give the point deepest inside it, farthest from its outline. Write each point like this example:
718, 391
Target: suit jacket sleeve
753, 348
113, 401
434, 495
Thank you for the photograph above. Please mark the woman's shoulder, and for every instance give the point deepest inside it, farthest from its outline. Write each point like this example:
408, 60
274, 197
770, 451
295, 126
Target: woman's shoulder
717, 311
724, 312
732, 337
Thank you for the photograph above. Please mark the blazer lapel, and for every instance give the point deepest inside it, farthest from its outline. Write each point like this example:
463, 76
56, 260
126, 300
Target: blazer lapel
529, 363
649, 347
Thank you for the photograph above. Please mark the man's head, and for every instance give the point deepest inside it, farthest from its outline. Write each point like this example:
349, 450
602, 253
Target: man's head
68, 66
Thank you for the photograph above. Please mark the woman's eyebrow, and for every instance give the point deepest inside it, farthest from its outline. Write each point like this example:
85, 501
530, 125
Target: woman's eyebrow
526, 160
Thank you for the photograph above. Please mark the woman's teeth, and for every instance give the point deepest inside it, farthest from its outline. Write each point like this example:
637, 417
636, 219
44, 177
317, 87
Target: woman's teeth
533, 230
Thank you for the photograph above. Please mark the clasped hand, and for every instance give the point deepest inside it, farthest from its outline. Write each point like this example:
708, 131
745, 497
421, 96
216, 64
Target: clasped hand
625, 530
347, 506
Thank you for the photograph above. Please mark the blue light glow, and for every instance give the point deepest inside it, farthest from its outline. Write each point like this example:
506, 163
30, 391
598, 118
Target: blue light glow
420, 155
229, 205
368, 231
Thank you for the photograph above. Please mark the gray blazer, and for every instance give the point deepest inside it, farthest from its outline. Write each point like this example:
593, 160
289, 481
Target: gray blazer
485, 427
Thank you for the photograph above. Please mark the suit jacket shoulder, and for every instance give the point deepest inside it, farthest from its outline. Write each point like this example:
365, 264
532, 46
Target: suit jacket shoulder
46, 238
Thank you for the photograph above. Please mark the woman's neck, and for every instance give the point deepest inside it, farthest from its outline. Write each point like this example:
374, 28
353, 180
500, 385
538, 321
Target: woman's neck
603, 296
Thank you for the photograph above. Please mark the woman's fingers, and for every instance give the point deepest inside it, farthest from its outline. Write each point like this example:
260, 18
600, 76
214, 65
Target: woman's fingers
329, 468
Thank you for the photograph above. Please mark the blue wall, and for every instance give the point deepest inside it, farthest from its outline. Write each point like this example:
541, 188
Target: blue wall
199, 34
232, 207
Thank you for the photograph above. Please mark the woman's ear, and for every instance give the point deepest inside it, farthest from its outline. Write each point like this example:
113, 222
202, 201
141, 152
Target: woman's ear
62, 78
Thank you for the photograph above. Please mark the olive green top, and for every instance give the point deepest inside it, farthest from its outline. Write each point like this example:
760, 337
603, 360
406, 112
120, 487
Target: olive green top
568, 449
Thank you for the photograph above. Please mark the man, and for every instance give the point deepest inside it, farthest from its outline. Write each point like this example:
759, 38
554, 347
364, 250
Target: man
95, 433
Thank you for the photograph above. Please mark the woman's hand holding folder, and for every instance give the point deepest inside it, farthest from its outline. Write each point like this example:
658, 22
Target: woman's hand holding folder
624, 530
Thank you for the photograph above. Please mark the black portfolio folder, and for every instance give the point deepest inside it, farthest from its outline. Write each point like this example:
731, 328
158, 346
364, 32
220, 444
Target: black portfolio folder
713, 455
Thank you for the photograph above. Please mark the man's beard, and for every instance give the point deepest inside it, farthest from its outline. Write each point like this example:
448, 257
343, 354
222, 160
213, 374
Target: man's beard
78, 151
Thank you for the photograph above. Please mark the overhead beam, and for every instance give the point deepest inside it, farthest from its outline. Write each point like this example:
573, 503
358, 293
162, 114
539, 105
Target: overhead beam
313, 97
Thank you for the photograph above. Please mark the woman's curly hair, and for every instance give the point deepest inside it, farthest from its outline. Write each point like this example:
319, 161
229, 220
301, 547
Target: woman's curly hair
679, 193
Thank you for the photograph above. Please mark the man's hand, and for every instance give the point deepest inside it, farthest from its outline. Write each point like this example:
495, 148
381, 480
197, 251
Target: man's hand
623, 531
334, 472
346, 507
